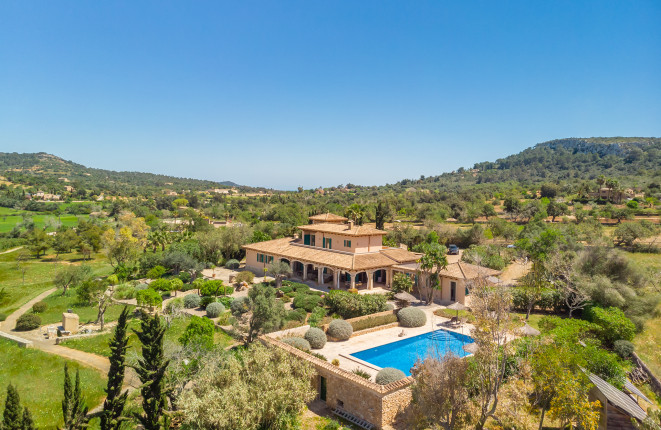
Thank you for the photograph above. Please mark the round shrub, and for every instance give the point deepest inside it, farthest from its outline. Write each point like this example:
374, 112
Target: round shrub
232, 264
192, 301
390, 306
411, 317
245, 276
161, 285
28, 322
297, 342
623, 348
215, 309
39, 307
316, 337
306, 301
286, 289
124, 292
112, 279
240, 305
141, 287
388, 375
340, 330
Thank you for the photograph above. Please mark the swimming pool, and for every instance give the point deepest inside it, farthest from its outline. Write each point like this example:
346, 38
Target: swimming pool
403, 354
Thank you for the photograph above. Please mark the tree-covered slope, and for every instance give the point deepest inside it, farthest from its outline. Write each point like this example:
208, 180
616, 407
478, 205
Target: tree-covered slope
42, 170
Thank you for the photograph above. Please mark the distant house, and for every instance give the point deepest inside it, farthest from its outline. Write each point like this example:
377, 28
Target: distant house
618, 407
613, 195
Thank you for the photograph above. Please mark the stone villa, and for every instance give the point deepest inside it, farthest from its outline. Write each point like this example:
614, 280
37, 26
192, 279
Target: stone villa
335, 253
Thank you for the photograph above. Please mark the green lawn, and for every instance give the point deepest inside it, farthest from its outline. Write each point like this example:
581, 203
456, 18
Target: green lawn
39, 275
57, 304
7, 222
38, 377
99, 344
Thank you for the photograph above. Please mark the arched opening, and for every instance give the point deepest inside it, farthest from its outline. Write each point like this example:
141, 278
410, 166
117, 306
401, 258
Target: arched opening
297, 269
312, 274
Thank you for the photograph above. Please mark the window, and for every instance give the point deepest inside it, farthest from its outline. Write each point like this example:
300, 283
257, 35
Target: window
326, 243
347, 244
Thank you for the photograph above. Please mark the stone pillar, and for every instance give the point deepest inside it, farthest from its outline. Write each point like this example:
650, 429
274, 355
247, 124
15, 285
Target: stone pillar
353, 279
388, 277
70, 323
370, 280
305, 271
320, 276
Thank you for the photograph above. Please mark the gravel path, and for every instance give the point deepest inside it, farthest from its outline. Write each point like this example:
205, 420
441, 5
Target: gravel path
10, 322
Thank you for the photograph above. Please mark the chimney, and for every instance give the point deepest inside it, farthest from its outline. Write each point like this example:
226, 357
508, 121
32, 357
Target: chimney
350, 225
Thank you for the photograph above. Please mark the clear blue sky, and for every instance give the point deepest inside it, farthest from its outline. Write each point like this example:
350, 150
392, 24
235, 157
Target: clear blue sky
282, 94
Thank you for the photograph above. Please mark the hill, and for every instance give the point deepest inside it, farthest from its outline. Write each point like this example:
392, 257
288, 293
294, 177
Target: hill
52, 174
634, 161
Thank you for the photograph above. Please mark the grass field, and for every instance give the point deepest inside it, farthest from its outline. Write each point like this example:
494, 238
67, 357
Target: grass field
7, 222
99, 344
39, 275
38, 377
57, 303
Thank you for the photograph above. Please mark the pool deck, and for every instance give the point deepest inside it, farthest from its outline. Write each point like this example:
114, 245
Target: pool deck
342, 350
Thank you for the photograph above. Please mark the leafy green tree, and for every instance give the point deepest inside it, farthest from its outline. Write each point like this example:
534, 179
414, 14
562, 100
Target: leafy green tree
199, 331
112, 417
401, 282
356, 213
265, 313
73, 406
383, 212
148, 297
432, 262
65, 240
38, 241
279, 270
71, 276
555, 209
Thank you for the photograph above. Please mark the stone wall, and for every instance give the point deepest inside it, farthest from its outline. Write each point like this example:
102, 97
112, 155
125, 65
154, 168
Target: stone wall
23, 343
377, 404
654, 381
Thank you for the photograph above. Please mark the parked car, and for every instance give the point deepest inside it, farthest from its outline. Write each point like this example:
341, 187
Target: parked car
453, 249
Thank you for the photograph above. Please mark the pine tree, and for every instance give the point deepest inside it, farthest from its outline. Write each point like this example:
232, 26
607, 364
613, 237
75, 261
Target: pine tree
28, 423
151, 370
12, 416
113, 407
73, 407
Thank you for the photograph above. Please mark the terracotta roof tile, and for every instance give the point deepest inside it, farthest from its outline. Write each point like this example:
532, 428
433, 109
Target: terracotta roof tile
327, 217
343, 229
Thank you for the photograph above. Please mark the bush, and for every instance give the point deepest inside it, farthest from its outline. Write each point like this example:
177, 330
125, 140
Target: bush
3, 317
199, 330
39, 307
361, 373
316, 337
124, 292
28, 322
340, 330
176, 284
245, 276
215, 288
388, 375
240, 305
141, 287
296, 315
316, 316
623, 348
226, 301
232, 264
349, 305
148, 297
614, 324
319, 356
215, 309
185, 277
286, 289
335, 362
306, 301
298, 343
174, 305
156, 272
373, 322
112, 279
207, 300
192, 301
411, 317
161, 285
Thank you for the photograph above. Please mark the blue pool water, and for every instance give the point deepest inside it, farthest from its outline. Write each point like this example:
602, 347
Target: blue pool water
404, 353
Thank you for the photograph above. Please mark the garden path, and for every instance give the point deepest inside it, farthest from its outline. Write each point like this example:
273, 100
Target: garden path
11, 250
10, 323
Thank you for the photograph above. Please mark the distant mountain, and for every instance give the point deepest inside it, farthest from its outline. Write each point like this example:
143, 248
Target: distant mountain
52, 173
634, 161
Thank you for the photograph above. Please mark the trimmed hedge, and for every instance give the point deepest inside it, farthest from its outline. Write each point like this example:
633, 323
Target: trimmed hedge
349, 305
373, 322
27, 322
298, 343
411, 317
39, 307
339, 330
388, 375
215, 309
316, 337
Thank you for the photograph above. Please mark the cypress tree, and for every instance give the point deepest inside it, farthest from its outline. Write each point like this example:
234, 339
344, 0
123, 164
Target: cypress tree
28, 424
113, 407
12, 416
73, 408
151, 370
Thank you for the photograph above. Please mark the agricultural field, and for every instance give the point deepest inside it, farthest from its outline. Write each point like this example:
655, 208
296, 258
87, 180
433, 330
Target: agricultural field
24, 279
39, 377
